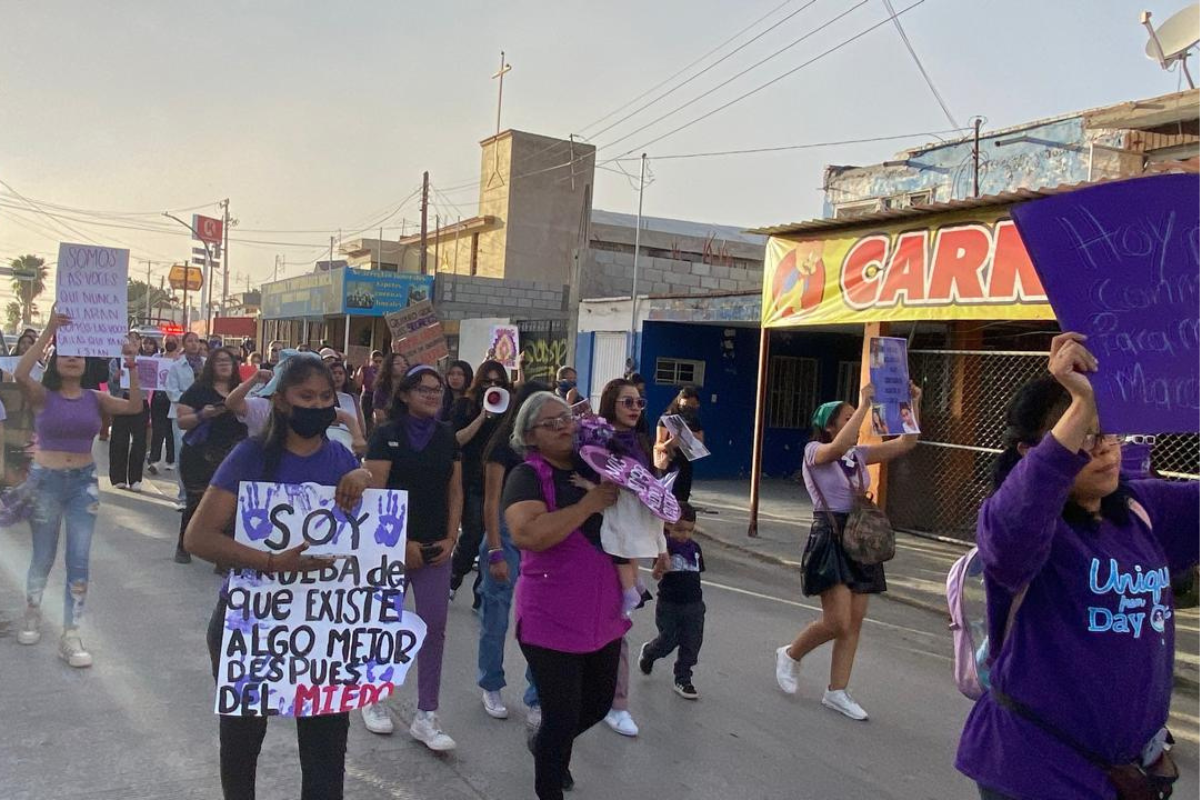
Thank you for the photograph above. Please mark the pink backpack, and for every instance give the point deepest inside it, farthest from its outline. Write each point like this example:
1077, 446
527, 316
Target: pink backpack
967, 599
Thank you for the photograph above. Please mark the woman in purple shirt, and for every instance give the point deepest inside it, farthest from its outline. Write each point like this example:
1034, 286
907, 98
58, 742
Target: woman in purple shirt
1082, 672
67, 419
568, 602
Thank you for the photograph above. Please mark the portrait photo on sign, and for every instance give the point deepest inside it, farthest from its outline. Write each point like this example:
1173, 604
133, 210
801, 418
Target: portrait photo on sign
892, 412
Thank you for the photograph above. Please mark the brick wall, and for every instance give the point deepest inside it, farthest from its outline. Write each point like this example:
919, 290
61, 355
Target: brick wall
610, 274
471, 297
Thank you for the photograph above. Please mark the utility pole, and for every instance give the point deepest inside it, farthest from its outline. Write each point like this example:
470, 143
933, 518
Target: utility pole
975, 153
505, 68
457, 233
147, 292
437, 241
424, 222
225, 261
637, 248
330, 254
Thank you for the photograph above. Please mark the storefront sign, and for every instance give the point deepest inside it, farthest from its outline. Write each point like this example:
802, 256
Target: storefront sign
374, 294
963, 266
1121, 263
311, 296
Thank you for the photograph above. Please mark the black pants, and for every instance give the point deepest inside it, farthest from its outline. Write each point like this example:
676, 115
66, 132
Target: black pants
576, 691
322, 742
160, 429
197, 465
368, 409
679, 625
127, 447
467, 549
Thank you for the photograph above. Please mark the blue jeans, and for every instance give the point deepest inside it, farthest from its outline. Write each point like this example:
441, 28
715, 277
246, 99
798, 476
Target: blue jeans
72, 495
494, 609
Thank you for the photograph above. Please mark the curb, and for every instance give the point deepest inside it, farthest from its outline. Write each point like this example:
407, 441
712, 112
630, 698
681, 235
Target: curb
1182, 683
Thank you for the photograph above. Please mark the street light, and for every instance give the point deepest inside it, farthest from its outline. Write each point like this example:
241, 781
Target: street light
208, 259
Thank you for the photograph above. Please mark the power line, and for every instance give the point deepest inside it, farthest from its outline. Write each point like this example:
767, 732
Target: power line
806, 146
912, 52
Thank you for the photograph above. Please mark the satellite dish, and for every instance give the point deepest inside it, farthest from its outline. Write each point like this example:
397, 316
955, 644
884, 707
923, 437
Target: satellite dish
1172, 40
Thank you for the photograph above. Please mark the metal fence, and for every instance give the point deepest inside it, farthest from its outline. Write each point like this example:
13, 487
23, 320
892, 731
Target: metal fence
938, 488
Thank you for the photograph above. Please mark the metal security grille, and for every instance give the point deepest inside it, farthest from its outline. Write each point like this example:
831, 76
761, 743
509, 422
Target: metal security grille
791, 391
939, 487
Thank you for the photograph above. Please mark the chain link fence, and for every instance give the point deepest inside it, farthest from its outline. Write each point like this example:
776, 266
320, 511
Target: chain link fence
939, 487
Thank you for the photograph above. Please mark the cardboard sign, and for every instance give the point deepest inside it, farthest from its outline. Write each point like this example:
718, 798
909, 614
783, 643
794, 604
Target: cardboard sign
505, 345
892, 412
691, 447
92, 289
152, 373
1121, 264
358, 355
320, 642
417, 334
629, 474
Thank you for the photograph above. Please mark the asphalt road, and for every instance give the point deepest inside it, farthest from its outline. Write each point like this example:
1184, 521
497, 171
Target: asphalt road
140, 724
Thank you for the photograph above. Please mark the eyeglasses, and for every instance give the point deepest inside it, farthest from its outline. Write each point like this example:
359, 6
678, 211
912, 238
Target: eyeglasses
633, 402
430, 391
1096, 441
563, 420
1139, 439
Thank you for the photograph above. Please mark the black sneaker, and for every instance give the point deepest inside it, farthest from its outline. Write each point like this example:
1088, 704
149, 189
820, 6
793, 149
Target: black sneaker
568, 780
182, 556
646, 665
687, 691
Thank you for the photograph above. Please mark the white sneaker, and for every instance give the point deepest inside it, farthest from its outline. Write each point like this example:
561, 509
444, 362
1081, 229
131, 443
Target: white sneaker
426, 730
621, 722
787, 671
180, 505
120, 485
842, 702
533, 718
70, 650
169, 466
30, 632
493, 704
378, 720
135, 487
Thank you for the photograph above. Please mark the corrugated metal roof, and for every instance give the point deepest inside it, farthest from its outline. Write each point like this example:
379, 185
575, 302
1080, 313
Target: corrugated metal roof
965, 204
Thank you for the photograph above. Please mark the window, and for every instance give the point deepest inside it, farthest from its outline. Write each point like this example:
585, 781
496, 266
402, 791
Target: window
791, 392
858, 208
849, 374
678, 372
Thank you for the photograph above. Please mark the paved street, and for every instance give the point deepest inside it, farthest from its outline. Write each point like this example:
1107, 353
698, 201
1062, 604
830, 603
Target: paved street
140, 723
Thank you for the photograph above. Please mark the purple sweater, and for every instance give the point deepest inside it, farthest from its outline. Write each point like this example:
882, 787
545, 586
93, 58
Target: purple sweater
1091, 649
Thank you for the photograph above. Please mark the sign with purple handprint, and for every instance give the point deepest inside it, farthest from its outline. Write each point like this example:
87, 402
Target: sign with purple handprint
328, 640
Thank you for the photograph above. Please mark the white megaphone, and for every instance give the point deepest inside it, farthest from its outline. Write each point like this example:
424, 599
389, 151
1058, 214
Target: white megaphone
495, 400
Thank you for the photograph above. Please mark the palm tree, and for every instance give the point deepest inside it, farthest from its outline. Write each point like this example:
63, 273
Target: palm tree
12, 313
30, 284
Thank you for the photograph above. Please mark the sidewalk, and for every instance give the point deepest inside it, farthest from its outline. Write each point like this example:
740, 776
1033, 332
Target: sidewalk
916, 576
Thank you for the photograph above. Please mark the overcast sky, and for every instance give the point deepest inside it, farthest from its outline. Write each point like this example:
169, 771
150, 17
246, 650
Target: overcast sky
315, 116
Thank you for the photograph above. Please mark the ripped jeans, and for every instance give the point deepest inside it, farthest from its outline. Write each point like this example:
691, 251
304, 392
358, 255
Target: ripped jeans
72, 495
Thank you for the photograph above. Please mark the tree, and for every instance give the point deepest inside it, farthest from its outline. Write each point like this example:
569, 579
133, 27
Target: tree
13, 314
27, 290
159, 298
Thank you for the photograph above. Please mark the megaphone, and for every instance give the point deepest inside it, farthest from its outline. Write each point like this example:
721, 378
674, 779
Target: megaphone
496, 400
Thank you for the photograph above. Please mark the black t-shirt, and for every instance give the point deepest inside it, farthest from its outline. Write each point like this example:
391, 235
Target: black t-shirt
505, 456
424, 475
463, 415
523, 484
225, 430
682, 583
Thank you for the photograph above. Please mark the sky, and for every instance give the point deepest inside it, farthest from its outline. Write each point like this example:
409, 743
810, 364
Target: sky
319, 117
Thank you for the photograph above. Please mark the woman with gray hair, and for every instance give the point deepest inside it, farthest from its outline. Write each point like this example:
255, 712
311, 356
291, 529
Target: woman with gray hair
568, 610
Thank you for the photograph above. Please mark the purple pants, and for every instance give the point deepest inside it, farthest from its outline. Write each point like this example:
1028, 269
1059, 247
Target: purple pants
430, 588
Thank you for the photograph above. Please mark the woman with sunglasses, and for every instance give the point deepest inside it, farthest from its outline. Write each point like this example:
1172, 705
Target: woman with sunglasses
1081, 671
415, 452
474, 428
569, 621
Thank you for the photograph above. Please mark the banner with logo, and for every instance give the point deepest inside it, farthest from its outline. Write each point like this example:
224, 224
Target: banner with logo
962, 266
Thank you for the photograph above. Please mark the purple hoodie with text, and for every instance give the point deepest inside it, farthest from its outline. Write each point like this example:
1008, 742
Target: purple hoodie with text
1092, 647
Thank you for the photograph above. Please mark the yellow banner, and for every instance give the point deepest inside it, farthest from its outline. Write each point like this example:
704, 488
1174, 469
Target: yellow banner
965, 266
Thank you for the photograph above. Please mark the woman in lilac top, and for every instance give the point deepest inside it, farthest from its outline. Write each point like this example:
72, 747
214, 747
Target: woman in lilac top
568, 602
1085, 664
67, 419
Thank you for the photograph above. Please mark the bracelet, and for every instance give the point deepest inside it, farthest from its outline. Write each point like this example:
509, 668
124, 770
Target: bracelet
495, 556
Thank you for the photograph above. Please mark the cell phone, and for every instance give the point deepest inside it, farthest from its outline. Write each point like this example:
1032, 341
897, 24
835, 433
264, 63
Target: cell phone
430, 552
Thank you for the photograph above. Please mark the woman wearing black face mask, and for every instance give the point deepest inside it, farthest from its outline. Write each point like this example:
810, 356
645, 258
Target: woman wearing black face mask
292, 449
566, 381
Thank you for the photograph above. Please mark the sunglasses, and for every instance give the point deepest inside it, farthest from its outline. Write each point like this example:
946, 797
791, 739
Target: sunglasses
563, 420
633, 402
1139, 439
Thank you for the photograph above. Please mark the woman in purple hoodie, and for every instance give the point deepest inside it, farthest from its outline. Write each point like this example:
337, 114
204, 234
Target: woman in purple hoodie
1077, 566
568, 602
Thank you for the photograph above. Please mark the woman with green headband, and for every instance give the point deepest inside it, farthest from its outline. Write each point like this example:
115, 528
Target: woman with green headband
834, 465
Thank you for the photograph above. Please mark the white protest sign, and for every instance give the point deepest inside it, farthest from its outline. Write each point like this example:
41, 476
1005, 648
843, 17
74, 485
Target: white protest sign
691, 447
8, 365
323, 642
92, 289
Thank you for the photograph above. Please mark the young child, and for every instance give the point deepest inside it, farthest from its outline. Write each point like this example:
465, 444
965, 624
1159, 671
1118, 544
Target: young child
680, 612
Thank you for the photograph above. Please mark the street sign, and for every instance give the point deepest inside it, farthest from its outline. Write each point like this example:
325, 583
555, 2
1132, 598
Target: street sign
24, 274
182, 277
207, 229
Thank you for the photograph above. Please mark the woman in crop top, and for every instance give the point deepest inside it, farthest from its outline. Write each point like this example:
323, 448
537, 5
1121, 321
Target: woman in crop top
66, 421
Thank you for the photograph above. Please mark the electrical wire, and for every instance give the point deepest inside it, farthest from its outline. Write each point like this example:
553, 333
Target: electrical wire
921, 67
807, 146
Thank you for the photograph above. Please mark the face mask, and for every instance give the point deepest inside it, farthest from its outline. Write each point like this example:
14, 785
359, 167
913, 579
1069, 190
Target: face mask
310, 422
566, 386
171, 347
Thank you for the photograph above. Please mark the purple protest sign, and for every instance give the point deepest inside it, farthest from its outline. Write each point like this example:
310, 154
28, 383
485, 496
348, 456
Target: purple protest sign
1120, 262
631, 475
